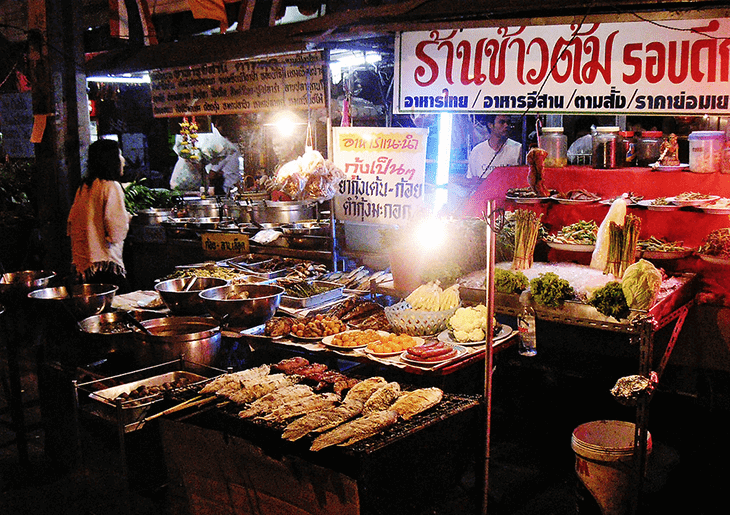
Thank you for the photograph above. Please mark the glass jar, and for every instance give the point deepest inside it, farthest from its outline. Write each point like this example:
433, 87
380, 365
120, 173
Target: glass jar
605, 147
725, 162
705, 151
627, 150
648, 147
556, 144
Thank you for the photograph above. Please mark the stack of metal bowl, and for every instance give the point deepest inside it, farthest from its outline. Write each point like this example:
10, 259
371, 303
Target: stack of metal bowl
14, 285
242, 305
180, 295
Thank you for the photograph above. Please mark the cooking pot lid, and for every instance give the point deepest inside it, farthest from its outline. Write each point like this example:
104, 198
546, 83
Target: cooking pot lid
177, 328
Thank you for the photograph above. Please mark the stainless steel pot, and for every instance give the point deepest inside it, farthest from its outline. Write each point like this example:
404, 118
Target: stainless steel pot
200, 208
197, 338
154, 216
283, 212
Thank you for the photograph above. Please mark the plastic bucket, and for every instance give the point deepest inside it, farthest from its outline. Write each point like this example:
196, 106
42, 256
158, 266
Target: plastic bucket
604, 462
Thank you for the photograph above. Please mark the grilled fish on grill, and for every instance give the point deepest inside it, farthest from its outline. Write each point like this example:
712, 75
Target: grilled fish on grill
382, 398
298, 407
271, 400
257, 388
356, 430
414, 402
232, 381
362, 391
323, 420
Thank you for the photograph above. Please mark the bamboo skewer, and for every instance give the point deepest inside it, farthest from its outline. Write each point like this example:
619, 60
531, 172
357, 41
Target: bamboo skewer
190, 403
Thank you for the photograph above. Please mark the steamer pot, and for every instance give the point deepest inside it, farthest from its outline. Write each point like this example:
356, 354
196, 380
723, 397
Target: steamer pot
197, 338
283, 212
199, 208
153, 216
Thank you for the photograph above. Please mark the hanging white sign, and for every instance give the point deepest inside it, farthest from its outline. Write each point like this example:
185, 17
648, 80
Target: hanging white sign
670, 67
384, 173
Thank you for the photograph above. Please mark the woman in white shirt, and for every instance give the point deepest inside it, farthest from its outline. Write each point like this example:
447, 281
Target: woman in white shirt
98, 221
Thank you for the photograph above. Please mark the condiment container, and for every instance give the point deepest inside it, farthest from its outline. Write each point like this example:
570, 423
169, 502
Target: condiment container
705, 151
627, 150
556, 144
605, 147
648, 147
725, 164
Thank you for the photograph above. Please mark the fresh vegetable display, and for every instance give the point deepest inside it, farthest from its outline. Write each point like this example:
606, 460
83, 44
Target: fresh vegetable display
138, 197
609, 300
508, 281
579, 233
641, 284
717, 243
654, 244
527, 227
622, 245
470, 324
304, 289
550, 290
430, 297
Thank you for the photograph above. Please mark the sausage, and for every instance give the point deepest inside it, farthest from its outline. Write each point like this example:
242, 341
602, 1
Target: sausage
428, 349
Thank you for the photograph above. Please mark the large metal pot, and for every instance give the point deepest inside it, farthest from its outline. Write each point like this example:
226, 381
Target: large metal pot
237, 210
283, 212
152, 216
198, 339
200, 208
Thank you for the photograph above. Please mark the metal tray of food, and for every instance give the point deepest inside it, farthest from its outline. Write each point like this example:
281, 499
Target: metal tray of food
135, 409
247, 260
335, 291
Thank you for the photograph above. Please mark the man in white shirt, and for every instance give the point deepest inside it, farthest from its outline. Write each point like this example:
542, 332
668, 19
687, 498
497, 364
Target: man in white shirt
496, 150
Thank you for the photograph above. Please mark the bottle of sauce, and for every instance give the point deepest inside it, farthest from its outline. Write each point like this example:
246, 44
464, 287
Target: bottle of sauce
627, 152
556, 144
605, 147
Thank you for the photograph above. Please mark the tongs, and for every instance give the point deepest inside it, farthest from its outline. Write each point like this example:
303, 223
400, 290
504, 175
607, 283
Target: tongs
136, 323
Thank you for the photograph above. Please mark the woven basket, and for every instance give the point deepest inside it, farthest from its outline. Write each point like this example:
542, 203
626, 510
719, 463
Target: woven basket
404, 319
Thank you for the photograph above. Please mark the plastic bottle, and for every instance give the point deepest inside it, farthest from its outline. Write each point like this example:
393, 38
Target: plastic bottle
526, 326
556, 145
627, 155
648, 147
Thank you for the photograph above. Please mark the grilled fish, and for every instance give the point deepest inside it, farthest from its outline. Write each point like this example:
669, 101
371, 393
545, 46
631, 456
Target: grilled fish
234, 379
356, 430
382, 398
271, 400
414, 402
362, 391
323, 420
257, 388
301, 406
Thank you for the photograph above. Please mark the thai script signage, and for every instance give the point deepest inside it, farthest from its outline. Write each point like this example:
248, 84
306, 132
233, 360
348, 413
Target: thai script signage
668, 67
224, 245
285, 81
384, 173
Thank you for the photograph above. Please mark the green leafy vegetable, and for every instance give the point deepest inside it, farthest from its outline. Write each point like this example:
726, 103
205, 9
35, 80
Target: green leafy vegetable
507, 281
641, 284
609, 300
551, 290
137, 197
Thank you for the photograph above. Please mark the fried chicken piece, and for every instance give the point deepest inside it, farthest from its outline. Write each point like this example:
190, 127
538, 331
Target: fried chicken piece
291, 365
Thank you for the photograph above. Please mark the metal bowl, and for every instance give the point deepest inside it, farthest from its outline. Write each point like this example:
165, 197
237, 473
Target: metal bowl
82, 300
181, 302
263, 301
22, 282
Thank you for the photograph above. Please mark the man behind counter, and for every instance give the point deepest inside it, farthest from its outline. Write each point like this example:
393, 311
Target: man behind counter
497, 150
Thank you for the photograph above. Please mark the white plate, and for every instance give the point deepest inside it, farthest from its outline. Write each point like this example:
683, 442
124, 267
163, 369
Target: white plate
573, 201
666, 168
715, 210
419, 341
460, 351
610, 201
572, 247
658, 207
715, 260
526, 200
692, 203
327, 340
504, 333
672, 254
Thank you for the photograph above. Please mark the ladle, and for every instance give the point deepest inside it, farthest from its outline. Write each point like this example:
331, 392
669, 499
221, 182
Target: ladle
136, 323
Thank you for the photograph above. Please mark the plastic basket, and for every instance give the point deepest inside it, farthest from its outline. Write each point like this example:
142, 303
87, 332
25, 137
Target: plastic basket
404, 319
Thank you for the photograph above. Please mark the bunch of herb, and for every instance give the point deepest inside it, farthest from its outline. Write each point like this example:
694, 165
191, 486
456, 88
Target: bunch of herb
610, 300
138, 197
550, 290
506, 281
622, 245
527, 228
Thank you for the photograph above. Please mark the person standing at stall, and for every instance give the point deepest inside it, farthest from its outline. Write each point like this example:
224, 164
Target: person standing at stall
98, 221
497, 150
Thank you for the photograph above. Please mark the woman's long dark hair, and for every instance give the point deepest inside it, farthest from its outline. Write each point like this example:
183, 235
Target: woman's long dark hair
104, 162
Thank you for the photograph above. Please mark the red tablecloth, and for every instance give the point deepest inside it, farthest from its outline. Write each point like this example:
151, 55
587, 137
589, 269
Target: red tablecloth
687, 224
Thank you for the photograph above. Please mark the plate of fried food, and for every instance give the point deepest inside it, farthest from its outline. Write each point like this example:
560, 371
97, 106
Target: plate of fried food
353, 339
578, 196
692, 199
316, 327
392, 345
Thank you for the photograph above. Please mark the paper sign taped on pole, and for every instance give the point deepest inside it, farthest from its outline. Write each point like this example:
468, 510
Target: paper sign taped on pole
384, 174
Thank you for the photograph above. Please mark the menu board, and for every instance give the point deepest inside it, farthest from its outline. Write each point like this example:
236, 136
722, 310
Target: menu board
277, 82
16, 124
384, 173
